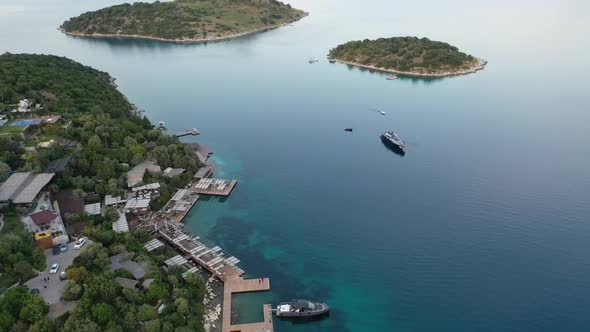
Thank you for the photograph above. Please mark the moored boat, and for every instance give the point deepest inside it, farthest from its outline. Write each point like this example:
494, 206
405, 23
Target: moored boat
301, 308
348, 129
393, 141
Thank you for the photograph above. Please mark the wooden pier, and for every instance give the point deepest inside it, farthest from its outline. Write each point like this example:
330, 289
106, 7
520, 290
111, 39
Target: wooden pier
216, 187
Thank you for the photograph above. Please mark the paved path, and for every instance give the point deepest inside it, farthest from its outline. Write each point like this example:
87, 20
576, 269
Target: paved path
52, 289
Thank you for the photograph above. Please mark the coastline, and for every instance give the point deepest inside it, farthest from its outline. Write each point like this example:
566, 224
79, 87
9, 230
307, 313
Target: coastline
480, 66
182, 40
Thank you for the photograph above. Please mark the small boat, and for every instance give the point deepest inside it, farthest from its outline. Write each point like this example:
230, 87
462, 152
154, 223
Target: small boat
393, 141
381, 112
301, 308
348, 129
391, 78
312, 60
332, 60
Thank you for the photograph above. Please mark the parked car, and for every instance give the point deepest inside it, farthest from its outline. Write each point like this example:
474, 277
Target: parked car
62, 275
56, 250
54, 268
34, 291
81, 242
63, 246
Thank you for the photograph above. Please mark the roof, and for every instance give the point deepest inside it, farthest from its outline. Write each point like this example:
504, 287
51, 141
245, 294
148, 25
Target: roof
121, 225
92, 209
126, 282
110, 200
22, 188
179, 195
147, 282
137, 203
172, 172
58, 165
176, 260
122, 261
135, 175
151, 186
153, 244
42, 235
67, 202
193, 269
204, 172
43, 217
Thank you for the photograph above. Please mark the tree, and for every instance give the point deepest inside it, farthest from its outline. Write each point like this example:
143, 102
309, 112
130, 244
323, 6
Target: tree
182, 306
152, 325
24, 270
112, 214
73, 291
4, 168
103, 313
77, 274
157, 291
145, 313
34, 308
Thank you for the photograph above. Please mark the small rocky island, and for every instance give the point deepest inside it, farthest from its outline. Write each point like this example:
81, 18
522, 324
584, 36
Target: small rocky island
184, 20
409, 56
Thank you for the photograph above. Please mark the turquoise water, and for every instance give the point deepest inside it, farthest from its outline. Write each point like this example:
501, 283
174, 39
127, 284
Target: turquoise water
482, 226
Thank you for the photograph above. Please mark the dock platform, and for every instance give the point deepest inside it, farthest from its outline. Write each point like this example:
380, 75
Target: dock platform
216, 187
239, 285
191, 132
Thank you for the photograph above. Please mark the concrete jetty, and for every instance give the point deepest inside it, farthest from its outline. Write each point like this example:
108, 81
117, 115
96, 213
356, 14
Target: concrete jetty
239, 285
188, 132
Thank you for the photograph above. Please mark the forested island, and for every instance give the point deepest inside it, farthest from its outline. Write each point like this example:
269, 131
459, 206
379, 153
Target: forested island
184, 20
410, 56
103, 135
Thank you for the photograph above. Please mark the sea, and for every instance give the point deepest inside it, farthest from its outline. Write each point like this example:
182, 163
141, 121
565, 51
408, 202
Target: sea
483, 224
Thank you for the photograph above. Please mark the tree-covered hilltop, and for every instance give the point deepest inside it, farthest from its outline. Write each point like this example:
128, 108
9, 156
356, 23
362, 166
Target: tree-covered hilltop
184, 20
111, 136
410, 55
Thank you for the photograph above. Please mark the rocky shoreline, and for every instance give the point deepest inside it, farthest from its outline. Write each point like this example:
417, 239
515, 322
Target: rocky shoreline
181, 40
212, 303
477, 67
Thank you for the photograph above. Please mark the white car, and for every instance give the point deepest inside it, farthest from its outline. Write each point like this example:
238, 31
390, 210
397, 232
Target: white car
80, 243
54, 268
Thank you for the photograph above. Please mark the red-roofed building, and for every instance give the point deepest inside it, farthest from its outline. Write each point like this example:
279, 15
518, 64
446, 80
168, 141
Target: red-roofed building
43, 217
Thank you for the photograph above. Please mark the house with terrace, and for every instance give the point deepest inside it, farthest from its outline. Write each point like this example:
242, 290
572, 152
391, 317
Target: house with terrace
48, 222
24, 189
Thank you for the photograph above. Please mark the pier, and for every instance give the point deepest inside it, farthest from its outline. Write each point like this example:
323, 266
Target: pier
188, 132
213, 260
216, 187
167, 224
239, 285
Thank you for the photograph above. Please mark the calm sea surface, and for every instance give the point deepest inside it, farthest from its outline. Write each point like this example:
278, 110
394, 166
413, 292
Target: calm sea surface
484, 225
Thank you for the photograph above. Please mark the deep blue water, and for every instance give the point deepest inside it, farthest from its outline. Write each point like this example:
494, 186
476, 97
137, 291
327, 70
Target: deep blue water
482, 226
